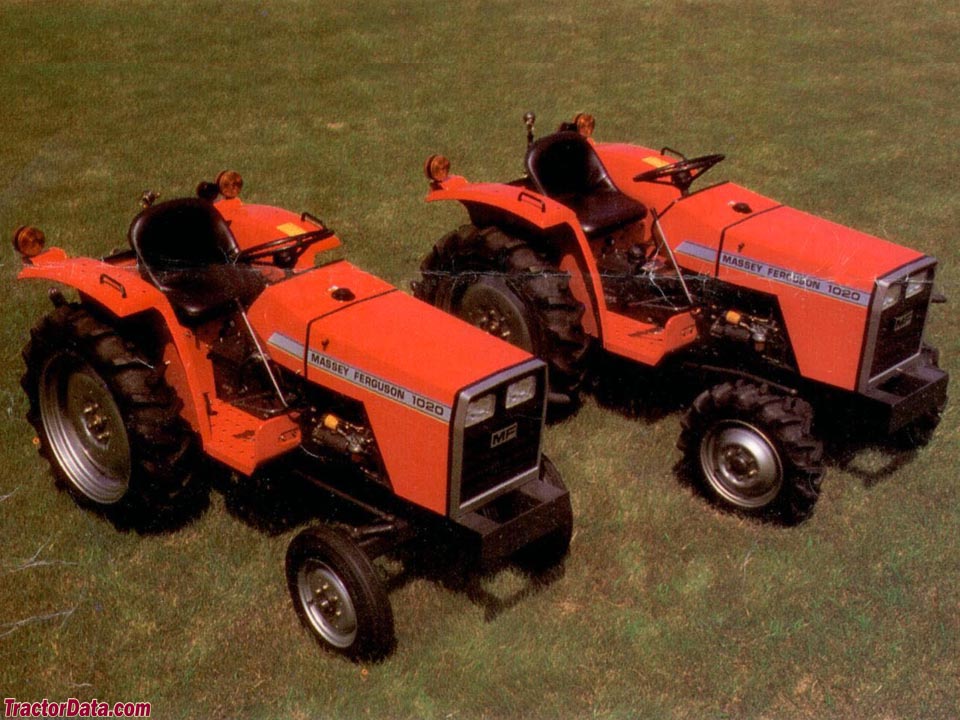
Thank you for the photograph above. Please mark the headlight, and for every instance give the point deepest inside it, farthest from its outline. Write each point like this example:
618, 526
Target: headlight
892, 296
916, 283
480, 409
437, 168
28, 241
230, 184
521, 391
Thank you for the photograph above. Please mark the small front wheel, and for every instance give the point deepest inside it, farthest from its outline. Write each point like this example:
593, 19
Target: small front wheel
752, 450
338, 595
741, 464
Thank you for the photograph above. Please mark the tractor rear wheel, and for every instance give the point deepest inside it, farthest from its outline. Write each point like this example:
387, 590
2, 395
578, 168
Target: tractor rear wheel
752, 450
107, 421
500, 284
338, 594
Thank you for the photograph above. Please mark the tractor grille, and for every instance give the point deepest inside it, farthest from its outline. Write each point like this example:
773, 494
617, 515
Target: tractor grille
897, 331
496, 454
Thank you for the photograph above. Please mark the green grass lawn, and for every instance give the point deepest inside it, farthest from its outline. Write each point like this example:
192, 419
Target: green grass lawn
667, 608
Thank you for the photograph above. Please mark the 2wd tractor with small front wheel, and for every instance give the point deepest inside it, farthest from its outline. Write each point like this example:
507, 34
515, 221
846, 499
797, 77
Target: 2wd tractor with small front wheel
231, 335
779, 316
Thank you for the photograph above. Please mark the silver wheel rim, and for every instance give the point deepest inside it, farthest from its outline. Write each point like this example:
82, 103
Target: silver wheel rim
327, 603
487, 309
85, 429
741, 464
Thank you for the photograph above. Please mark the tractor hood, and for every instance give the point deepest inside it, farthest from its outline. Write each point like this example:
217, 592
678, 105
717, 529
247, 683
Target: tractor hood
730, 227
342, 327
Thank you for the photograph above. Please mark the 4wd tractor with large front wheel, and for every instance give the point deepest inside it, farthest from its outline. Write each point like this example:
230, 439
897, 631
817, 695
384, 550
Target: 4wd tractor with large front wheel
606, 247
231, 335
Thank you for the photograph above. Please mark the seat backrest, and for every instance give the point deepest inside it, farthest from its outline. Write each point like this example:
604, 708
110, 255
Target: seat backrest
181, 234
565, 163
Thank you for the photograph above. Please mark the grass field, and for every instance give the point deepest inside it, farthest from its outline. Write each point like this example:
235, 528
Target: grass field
667, 608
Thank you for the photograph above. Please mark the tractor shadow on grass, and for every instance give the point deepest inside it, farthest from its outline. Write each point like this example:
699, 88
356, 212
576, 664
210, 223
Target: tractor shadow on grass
275, 504
440, 564
271, 503
149, 522
870, 460
165, 523
639, 393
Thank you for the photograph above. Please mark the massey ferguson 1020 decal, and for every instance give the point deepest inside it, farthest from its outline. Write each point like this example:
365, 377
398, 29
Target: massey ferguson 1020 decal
361, 378
777, 274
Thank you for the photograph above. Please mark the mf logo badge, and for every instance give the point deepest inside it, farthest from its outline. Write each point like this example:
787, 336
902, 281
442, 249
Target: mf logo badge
901, 321
499, 437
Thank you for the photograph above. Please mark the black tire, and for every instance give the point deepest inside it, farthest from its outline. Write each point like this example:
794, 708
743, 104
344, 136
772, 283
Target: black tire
107, 421
751, 450
338, 595
548, 552
498, 283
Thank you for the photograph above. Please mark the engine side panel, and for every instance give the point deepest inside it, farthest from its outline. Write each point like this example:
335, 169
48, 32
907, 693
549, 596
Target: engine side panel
822, 273
412, 443
404, 360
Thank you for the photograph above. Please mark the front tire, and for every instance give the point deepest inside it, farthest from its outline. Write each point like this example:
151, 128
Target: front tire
338, 595
752, 450
107, 421
500, 284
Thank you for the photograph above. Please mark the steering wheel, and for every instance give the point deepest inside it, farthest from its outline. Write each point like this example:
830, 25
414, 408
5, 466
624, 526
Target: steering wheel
681, 173
285, 250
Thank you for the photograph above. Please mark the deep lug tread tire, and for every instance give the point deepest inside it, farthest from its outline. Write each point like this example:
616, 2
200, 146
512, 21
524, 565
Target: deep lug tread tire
552, 314
784, 422
162, 483
325, 550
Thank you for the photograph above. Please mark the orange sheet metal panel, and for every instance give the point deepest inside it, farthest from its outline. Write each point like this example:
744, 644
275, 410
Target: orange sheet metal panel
403, 359
258, 224
646, 343
822, 273
623, 162
536, 209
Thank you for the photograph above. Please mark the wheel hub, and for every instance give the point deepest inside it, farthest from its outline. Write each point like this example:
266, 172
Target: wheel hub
741, 464
491, 320
492, 306
327, 603
96, 423
85, 429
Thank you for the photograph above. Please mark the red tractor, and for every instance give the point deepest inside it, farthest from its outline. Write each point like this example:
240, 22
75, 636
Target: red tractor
605, 245
232, 332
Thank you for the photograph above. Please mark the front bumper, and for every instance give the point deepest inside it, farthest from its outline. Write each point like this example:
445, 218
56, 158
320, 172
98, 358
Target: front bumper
917, 390
515, 520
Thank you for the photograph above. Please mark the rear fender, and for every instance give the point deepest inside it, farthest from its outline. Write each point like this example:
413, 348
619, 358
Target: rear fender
535, 215
120, 291
510, 201
118, 288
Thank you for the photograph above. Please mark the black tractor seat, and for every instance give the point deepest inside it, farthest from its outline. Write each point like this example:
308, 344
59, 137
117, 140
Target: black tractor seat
565, 167
186, 249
